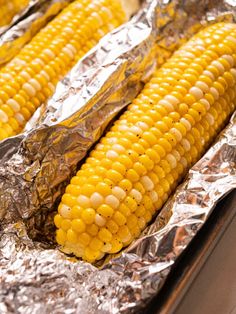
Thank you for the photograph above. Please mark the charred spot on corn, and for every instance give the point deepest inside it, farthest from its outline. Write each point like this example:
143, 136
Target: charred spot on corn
151, 146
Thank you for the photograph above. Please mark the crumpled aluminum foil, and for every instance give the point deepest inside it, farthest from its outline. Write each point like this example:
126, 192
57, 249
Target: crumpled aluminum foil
35, 168
35, 278
26, 24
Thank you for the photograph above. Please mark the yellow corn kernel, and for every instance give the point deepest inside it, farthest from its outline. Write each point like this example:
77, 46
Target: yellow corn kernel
116, 246
105, 210
105, 235
88, 215
112, 226
163, 136
61, 236
92, 229
96, 244
78, 225
72, 236
58, 220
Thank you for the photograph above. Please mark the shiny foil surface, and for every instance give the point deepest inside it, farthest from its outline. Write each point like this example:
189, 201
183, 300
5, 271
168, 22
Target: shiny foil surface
35, 167
26, 24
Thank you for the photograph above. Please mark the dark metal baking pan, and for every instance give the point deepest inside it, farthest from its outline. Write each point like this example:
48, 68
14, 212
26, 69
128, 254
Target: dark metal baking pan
204, 278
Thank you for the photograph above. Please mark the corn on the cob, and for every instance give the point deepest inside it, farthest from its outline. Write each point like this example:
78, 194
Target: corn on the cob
29, 79
8, 9
135, 167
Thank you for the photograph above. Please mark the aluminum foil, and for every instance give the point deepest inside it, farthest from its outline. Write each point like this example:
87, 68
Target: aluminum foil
35, 278
26, 24
36, 166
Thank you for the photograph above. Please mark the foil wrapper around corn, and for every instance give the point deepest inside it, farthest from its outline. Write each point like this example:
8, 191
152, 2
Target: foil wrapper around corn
37, 165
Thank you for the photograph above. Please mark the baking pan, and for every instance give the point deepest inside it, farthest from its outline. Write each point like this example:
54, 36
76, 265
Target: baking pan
173, 297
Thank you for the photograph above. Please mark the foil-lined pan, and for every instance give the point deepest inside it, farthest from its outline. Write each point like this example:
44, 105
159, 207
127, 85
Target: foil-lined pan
26, 24
35, 168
